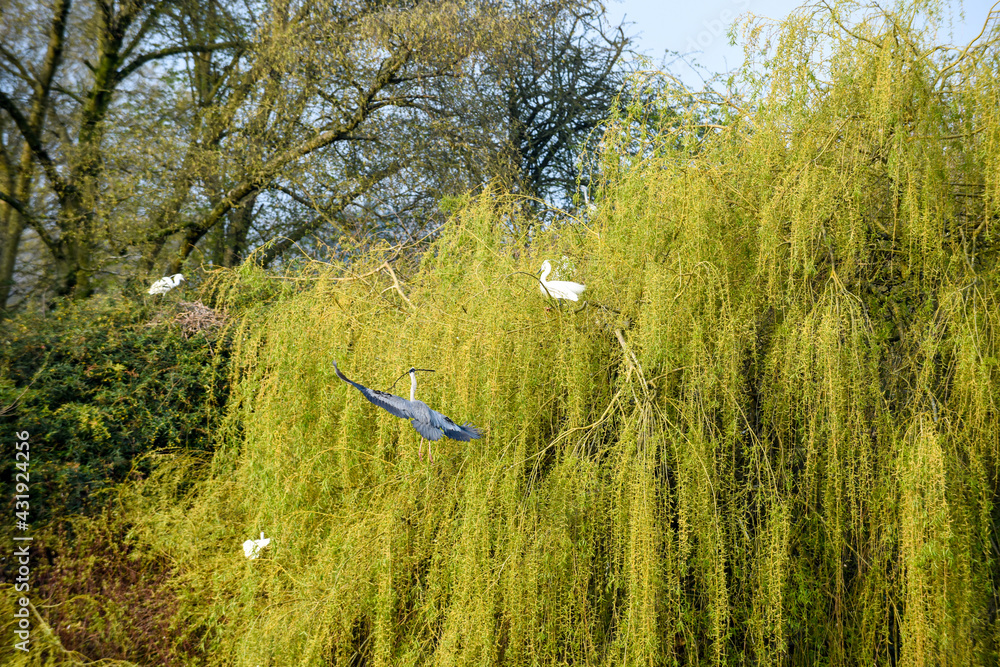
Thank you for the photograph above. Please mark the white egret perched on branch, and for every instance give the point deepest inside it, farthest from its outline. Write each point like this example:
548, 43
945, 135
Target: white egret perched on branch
559, 289
164, 285
430, 424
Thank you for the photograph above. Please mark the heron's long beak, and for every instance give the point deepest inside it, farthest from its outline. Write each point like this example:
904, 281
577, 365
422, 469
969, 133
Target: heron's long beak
426, 370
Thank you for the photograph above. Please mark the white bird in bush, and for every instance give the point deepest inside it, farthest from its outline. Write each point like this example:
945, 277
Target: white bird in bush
252, 548
430, 424
164, 285
559, 289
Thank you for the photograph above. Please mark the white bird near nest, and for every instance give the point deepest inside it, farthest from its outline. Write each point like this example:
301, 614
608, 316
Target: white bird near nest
164, 285
559, 289
252, 548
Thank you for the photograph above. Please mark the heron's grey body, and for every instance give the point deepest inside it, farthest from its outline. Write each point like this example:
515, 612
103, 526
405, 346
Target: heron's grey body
429, 423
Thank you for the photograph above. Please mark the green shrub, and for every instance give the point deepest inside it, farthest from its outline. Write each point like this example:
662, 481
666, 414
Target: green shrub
97, 384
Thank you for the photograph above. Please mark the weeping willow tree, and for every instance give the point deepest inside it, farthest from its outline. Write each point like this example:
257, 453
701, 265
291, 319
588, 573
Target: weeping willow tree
771, 436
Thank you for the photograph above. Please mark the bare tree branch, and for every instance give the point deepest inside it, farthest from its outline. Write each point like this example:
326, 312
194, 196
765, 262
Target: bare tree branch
172, 51
35, 144
265, 174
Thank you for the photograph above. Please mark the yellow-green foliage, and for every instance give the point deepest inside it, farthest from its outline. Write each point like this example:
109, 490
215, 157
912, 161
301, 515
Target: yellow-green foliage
771, 437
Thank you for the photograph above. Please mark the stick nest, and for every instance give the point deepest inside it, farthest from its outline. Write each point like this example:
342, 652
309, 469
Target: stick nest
195, 317
192, 317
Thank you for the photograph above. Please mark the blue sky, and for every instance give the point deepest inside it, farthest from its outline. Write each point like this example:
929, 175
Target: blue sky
698, 27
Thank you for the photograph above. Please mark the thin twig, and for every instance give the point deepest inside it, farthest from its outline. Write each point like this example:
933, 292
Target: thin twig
634, 363
395, 283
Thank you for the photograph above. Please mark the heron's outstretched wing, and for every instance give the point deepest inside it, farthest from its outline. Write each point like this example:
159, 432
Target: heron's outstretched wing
391, 403
465, 432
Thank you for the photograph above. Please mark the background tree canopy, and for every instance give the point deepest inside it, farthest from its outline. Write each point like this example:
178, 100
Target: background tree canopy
770, 436
149, 134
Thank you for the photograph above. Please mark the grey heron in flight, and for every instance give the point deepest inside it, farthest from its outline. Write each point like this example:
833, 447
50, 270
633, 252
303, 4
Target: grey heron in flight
559, 289
430, 424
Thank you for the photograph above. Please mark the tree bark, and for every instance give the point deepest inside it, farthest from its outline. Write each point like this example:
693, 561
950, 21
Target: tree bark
15, 219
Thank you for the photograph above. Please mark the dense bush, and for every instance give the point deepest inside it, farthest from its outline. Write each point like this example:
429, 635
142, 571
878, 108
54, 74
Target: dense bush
106, 388
99, 383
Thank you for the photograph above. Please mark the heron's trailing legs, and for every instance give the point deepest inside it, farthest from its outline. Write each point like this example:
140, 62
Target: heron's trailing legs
420, 450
